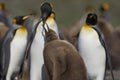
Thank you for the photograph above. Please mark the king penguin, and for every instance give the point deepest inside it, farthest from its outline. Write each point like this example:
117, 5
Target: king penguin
93, 49
4, 18
29, 24
104, 8
37, 44
13, 50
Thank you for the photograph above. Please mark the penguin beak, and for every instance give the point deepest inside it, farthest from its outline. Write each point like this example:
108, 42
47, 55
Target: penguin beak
25, 17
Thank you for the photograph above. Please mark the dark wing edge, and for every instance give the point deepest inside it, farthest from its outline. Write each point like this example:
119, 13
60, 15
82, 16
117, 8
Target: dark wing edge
31, 40
27, 51
102, 40
5, 50
44, 73
60, 34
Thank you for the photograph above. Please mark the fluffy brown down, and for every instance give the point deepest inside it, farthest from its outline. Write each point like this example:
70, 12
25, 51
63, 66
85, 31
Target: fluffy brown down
62, 60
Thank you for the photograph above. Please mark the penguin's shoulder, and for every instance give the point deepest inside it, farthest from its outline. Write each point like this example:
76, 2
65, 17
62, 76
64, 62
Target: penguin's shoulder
50, 19
100, 35
87, 30
87, 27
22, 29
9, 35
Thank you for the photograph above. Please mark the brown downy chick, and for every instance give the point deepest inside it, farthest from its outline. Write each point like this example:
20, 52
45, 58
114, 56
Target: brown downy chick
62, 59
50, 35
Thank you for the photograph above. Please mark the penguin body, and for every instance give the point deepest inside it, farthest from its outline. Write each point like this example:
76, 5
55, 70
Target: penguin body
93, 49
36, 54
53, 25
63, 63
17, 52
93, 53
37, 44
36, 50
62, 59
13, 51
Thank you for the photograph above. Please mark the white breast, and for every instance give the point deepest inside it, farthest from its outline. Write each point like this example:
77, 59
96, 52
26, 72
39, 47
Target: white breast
36, 54
52, 25
36, 51
17, 52
92, 52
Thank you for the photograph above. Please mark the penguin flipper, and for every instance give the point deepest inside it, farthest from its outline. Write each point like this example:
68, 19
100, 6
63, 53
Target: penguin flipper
5, 50
44, 73
102, 40
31, 40
28, 24
60, 34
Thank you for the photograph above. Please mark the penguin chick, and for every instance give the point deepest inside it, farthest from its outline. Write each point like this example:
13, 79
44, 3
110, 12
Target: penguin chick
62, 59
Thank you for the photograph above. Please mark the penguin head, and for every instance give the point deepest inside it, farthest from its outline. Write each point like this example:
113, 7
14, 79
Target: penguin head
104, 7
2, 6
46, 10
91, 19
50, 35
19, 20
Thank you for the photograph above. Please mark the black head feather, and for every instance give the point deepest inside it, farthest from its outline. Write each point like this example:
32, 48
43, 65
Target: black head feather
20, 19
91, 19
46, 10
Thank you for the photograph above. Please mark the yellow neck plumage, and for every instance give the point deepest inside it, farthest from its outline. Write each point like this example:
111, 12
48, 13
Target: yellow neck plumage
87, 27
51, 17
22, 29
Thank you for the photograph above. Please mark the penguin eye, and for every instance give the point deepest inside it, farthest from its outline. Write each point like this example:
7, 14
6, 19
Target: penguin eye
51, 5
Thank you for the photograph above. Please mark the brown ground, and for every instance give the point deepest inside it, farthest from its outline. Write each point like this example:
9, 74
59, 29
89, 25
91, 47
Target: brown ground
108, 75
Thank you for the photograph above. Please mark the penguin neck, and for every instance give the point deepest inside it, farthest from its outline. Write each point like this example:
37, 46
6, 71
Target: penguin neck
23, 29
87, 27
50, 36
50, 19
